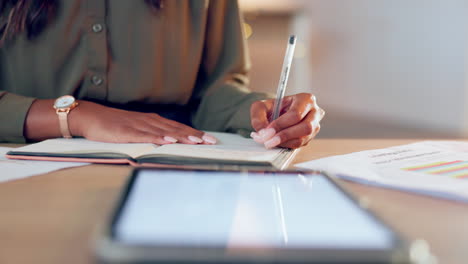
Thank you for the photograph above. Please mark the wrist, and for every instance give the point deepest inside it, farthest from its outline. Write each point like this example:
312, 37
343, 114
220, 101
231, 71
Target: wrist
76, 117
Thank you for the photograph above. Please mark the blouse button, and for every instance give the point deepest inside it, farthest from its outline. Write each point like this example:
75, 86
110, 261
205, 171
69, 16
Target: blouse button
96, 80
97, 28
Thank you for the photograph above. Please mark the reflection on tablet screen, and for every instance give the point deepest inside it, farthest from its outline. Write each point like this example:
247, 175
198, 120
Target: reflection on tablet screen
229, 209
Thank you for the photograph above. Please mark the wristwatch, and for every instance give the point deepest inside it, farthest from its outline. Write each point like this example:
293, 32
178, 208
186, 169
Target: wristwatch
63, 105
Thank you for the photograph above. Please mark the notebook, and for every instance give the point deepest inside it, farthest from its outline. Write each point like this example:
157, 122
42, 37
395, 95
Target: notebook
232, 151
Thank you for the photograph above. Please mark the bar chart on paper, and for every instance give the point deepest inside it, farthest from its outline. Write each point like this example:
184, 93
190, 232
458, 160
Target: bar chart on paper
456, 169
435, 168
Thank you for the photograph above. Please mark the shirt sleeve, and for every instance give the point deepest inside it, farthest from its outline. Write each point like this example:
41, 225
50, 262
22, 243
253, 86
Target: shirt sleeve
224, 99
13, 111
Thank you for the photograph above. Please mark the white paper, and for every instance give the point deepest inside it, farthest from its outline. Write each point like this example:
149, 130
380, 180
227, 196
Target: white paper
18, 169
85, 146
229, 147
436, 168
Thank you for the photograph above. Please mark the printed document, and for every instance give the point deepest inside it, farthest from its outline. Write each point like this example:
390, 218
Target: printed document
436, 168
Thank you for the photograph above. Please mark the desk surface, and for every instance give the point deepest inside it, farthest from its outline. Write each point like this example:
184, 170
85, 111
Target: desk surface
51, 218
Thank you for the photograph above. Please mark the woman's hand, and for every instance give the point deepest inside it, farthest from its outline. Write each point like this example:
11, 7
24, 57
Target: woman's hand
101, 123
298, 123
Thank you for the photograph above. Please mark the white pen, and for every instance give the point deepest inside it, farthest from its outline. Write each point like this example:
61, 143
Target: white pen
288, 57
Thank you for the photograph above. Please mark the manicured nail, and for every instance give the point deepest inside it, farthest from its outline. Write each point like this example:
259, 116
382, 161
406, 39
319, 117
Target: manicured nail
170, 139
209, 139
273, 142
257, 138
195, 139
267, 134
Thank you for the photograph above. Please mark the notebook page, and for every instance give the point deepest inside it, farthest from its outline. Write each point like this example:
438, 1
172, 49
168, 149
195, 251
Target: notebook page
229, 147
84, 146
19, 169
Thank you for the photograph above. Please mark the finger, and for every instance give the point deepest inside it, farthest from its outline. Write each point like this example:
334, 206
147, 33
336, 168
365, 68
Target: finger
142, 136
286, 104
263, 135
259, 114
184, 132
257, 138
170, 124
295, 143
187, 137
300, 142
308, 128
301, 105
164, 131
181, 132
164, 123
322, 113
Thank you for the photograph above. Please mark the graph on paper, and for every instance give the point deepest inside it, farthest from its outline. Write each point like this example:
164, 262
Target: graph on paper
456, 169
436, 168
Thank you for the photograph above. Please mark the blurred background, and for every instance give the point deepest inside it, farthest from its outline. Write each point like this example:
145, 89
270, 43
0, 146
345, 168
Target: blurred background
380, 69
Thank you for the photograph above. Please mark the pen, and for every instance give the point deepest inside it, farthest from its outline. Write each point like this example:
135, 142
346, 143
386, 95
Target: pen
288, 57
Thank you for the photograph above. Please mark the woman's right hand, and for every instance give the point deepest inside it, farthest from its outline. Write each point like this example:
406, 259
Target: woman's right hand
100, 123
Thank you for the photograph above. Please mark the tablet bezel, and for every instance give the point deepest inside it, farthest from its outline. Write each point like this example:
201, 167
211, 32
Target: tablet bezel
109, 250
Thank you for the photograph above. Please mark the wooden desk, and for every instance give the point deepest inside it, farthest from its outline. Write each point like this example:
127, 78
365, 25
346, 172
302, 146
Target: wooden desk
50, 218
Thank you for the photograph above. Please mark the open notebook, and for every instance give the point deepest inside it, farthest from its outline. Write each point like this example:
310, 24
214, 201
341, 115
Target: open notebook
232, 151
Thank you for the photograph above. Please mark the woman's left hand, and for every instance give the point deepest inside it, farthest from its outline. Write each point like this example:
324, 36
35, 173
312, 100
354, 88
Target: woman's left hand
298, 123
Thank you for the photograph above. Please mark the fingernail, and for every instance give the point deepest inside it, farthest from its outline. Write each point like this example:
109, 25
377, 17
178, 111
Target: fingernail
256, 138
170, 139
254, 135
273, 142
209, 139
322, 112
195, 139
267, 133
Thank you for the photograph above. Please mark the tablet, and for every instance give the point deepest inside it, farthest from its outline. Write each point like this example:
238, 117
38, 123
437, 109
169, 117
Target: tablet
177, 216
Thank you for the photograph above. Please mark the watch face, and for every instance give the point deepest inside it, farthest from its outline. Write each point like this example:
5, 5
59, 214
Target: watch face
64, 101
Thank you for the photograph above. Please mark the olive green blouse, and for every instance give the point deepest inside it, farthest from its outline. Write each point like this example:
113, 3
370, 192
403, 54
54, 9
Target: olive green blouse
188, 52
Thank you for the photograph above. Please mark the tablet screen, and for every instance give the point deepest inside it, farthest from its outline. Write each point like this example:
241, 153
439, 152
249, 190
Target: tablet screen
236, 209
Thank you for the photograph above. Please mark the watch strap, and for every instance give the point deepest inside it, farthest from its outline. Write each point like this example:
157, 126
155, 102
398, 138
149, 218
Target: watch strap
63, 123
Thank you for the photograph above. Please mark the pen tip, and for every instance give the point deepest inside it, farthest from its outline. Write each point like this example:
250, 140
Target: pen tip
292, 39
